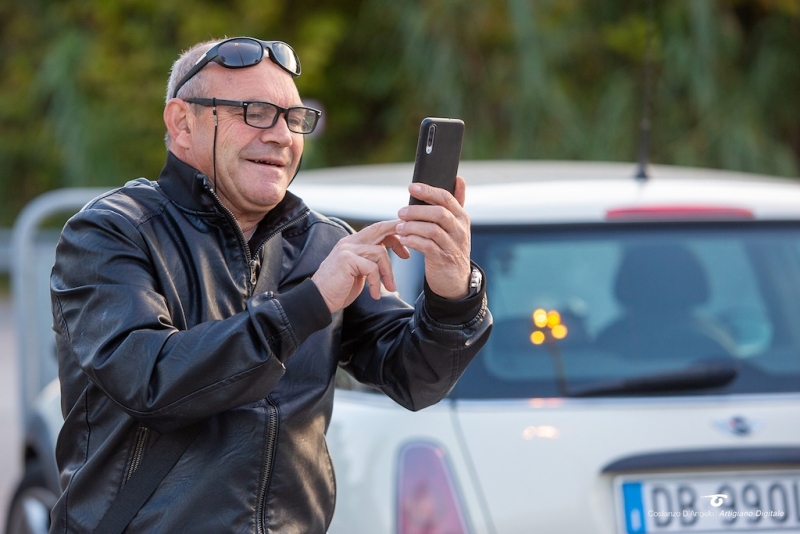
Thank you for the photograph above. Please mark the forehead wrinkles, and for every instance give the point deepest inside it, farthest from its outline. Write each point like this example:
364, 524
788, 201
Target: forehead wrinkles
264, 81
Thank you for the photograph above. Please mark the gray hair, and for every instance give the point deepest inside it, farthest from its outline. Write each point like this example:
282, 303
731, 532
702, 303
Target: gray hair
196, 86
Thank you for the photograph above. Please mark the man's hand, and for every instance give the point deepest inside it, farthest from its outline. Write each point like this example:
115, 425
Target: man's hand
358, 258
441, 232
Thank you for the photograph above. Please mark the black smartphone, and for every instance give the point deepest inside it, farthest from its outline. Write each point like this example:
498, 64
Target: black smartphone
438, 153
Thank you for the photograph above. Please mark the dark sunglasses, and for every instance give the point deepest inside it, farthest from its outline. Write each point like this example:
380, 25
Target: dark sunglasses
241, 52
265, 115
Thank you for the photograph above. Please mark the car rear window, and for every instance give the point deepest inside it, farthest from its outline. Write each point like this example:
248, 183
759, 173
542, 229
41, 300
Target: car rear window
581, 306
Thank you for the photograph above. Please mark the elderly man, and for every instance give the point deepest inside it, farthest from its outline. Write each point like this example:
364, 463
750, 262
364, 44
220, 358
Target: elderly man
200, 319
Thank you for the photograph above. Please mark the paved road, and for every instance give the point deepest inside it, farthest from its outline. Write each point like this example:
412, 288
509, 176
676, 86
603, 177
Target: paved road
10, 430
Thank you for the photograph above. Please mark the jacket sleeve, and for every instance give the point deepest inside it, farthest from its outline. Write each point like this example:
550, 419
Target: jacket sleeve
114, 327
414, 355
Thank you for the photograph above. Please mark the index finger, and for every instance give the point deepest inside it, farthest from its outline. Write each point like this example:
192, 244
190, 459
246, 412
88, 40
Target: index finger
374, 234
438, 196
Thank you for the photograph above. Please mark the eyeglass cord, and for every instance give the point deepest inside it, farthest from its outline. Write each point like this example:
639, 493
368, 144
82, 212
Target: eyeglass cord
214, 149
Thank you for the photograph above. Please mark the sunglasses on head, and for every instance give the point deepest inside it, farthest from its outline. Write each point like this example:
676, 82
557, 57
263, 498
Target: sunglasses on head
241, 52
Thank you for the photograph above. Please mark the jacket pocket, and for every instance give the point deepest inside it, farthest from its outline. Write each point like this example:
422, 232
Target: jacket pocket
139, 447
270, 445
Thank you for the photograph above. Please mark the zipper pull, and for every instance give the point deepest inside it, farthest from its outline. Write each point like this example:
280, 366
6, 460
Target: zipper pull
253, 271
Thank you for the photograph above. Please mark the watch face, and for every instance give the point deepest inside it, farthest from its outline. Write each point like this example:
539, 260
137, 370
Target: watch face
475, 278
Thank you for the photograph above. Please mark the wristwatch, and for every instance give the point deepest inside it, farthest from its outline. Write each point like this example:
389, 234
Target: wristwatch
475, 282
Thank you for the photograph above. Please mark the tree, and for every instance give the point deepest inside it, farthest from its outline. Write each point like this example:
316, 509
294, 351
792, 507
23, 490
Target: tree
82, 81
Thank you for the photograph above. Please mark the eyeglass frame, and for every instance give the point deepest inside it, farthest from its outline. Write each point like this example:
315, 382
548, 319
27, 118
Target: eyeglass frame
213, 55
212, 102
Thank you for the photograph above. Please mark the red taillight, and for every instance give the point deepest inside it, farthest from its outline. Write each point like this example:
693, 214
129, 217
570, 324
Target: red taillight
427, 498
678, 213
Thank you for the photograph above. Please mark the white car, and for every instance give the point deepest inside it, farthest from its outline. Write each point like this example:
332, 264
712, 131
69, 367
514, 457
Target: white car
643, 374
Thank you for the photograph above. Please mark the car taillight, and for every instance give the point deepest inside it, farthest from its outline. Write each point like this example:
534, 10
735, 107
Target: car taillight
678, 212
427, 497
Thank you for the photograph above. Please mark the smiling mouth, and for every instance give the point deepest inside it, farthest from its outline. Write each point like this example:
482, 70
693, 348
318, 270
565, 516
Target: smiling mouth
266, 162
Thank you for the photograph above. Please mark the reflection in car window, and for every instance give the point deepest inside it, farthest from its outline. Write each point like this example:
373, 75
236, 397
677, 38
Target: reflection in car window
617, 302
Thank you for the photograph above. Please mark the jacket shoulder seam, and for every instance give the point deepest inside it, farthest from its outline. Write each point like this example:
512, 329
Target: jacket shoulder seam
90, 205
340, 223
145, 208
318, 218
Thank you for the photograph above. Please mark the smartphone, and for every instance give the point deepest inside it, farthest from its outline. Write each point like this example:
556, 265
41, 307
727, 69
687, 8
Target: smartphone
438, 153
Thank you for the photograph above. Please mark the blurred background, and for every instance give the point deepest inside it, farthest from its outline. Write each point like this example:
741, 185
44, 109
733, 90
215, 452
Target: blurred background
82, 90
82, 81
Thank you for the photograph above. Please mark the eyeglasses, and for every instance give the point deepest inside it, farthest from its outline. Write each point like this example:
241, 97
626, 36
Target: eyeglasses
241, 52
265, 115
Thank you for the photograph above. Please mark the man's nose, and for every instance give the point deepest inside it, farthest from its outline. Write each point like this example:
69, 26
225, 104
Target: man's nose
279, 133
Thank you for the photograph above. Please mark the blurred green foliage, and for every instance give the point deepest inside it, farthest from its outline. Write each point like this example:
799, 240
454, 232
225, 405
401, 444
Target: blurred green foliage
82, 81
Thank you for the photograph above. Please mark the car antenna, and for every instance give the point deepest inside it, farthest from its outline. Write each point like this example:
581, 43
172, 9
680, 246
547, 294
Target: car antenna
644, 126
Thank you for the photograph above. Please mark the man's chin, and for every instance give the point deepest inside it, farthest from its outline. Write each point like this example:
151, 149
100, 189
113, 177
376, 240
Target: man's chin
268, 195
278, 175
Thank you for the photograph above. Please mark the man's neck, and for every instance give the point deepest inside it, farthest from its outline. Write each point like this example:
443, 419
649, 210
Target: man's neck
248, 233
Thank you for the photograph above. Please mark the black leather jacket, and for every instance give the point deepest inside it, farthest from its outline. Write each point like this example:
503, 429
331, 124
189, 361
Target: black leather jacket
157, 327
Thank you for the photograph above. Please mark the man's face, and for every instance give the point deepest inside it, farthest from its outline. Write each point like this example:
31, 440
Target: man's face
254, 166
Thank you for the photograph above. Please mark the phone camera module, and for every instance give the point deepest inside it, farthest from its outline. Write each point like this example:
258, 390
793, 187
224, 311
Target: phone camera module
431, 135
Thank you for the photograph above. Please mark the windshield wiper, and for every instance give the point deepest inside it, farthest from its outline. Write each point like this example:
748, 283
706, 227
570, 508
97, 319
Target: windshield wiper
699, 376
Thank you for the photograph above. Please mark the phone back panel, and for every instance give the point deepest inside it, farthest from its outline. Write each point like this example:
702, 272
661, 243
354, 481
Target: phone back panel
438, 153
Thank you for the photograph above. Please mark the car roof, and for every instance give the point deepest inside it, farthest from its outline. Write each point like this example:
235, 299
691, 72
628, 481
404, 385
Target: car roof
511, 192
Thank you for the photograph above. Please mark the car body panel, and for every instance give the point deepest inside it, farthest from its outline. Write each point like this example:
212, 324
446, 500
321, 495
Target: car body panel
561, 448
537, 463
41, 433
364, 438
550, 192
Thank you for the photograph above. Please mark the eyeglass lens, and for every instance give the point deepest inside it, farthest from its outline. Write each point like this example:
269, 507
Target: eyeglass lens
285, 56
246, 52
265, 115
240, 53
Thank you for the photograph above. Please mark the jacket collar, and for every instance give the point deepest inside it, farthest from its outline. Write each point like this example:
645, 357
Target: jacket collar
185, 185
192, 190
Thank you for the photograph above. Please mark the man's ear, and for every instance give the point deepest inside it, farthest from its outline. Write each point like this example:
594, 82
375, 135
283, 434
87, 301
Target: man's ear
178, 119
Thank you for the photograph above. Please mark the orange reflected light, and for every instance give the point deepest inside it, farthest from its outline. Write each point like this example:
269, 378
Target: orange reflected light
559, 331
540, 318
543, 431
549, 432
537, 338
547, 319
537, 402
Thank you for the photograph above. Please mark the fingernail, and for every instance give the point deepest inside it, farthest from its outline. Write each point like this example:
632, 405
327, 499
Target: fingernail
402, 212
415, 188
399, 228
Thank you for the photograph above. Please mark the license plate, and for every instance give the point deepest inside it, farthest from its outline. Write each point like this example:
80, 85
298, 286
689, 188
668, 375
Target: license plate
746, 501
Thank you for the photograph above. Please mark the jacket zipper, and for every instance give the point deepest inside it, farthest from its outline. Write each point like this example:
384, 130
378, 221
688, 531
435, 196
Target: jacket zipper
272, 436
272, 410
253, 272
235, 224
138, 451
251, 261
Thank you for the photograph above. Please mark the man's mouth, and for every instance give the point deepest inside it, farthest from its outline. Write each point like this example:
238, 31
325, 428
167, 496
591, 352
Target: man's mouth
270, 162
